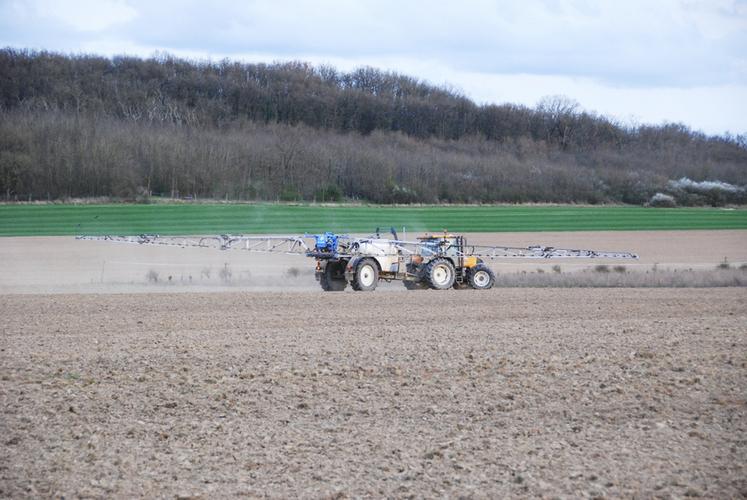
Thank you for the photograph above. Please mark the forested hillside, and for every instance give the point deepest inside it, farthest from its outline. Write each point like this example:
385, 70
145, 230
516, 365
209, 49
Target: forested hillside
88, 126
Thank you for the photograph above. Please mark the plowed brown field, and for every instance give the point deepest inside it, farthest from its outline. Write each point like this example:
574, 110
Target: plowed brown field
522, 392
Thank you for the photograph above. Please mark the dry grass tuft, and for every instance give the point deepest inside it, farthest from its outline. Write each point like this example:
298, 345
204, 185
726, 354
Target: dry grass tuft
724, 265
225, 274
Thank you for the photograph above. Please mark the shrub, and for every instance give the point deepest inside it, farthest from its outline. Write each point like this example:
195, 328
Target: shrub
332, 193
602, 268
142, 195
290, 194
661, 200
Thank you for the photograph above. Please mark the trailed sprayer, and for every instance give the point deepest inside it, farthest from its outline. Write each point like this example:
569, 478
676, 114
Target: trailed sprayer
433, 261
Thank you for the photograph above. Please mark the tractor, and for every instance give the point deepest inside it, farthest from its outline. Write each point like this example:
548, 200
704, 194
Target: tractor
442, 263
431, 262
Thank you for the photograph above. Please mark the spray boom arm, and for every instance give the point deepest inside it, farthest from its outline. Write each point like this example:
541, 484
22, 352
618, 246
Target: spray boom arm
331, 245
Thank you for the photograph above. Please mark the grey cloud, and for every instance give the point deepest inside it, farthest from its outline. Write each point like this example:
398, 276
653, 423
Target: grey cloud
667, 43
671, 43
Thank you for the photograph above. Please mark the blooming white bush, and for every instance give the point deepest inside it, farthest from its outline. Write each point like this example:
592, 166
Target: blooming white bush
662, 200
703, 186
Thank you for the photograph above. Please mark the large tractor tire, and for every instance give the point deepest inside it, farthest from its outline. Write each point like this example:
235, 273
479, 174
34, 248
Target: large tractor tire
366, 276
331, 280
481, 277
440, 274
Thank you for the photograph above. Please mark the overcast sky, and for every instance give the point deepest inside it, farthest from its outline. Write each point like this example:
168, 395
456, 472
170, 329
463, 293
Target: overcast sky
638, 61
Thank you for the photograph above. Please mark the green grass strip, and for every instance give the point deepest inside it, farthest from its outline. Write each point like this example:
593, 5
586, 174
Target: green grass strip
124, 219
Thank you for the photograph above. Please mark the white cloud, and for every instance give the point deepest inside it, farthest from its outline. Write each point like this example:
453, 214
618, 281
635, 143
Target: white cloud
714, 109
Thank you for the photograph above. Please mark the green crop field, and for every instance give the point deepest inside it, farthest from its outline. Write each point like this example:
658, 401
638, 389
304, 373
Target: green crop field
124, 219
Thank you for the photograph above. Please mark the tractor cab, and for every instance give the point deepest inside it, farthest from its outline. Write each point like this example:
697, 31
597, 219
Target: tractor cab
445, 244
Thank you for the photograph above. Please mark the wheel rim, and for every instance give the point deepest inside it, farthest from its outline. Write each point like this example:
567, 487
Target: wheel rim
367, 275
441, 275
481, 279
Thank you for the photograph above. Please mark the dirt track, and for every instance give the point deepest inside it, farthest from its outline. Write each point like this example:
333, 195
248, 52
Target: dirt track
572, 393
64, 265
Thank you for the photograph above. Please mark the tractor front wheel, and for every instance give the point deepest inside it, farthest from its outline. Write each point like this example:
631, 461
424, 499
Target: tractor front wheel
481, 277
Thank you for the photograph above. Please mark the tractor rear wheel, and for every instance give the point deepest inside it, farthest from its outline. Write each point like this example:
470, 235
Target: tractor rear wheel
331, 280
366, 276
481, 277
440, 274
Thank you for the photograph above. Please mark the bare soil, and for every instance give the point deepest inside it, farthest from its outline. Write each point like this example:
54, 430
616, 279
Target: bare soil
520, 392
64, 265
